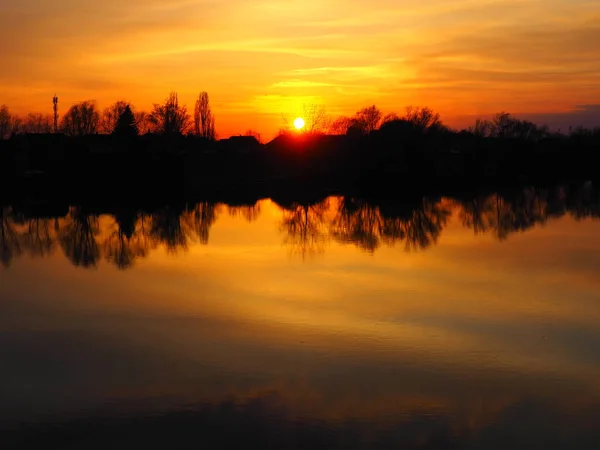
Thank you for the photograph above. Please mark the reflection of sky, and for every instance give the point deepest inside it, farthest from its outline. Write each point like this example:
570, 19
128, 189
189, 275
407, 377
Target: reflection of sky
473, 330
261, 58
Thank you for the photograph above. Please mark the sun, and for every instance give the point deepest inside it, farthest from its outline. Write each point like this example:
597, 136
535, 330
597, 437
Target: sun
299, 123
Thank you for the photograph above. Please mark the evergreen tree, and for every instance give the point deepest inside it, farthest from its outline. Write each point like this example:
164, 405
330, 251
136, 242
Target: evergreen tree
126, 125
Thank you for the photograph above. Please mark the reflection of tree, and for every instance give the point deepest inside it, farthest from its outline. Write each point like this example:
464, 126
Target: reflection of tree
78, 238
420, 228
505, 215
305, 226
584, 202
9, 238
38, 237
358, 222
367, 226
167, 229
200, 218
125, 241
248, 212
475, 214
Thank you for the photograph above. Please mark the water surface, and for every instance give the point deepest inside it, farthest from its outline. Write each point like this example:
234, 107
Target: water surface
341, 323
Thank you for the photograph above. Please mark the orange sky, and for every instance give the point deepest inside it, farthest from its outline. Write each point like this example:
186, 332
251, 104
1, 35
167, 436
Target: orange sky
259, 59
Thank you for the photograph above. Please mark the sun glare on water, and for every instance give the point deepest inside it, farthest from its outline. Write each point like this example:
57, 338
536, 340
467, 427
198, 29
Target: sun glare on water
299, 123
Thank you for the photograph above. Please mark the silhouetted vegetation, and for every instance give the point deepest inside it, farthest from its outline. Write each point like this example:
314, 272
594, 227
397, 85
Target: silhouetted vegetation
110, 116
122, 234
166, 153
81, 119
204, 120
170, 118
126, 125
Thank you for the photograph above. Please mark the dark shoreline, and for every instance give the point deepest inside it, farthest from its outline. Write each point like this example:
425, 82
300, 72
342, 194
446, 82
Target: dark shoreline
157, 170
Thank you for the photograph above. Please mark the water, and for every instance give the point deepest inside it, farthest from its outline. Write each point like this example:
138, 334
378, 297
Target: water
345, 323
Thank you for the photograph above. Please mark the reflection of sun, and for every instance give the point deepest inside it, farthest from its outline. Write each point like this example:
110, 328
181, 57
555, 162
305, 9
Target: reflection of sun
299, 123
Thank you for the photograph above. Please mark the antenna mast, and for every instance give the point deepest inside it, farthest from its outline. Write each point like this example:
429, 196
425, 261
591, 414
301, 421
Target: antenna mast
55, 106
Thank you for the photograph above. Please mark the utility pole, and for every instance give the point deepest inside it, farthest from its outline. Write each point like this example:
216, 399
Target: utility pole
55, 105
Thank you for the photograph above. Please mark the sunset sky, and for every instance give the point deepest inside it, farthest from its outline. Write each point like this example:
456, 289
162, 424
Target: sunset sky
259, 59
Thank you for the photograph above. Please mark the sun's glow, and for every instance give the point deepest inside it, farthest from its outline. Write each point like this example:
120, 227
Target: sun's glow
299, 123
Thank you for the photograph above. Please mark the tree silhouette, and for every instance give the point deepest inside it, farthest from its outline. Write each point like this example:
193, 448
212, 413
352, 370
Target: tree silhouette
110, 116
81, 119
37, 123
390, 117
315, 118
422, 118
142, 122
5, 122
16, 125
505, 126
126, 125
169, 118
340, 125
366, 120
362, 123
204, 120
481, 128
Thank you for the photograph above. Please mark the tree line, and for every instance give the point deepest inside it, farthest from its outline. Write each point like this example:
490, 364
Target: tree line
121, 118
422, 120
172, 118
306, 227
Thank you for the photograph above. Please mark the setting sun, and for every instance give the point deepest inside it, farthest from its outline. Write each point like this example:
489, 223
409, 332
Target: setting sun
299, 123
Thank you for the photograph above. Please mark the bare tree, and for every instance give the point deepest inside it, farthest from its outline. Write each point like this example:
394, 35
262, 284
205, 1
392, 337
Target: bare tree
368, 118
422, 118
481, 128
37, 123
141, 121
390, 117
340, 125
110, 116
81, 119
170, 118
5, 122
503, 125
16, 125
204, 119
362, 123
316, 118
